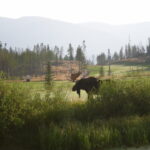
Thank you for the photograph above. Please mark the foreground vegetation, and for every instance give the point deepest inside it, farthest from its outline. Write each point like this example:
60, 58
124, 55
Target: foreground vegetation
118, 116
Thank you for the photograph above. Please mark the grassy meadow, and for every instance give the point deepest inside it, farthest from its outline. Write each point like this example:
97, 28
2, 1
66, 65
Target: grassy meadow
33, 117
117, 72
121, 70
65, 87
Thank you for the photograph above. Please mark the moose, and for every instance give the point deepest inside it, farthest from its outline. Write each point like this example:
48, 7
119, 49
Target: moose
90, 84
74, 76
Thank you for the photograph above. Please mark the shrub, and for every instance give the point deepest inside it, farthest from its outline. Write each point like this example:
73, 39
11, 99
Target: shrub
12, 107
122, 98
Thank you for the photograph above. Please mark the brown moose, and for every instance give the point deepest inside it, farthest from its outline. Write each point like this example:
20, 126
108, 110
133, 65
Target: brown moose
90, 85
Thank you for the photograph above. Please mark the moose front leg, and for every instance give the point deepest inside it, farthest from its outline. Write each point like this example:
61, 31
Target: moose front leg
78, 91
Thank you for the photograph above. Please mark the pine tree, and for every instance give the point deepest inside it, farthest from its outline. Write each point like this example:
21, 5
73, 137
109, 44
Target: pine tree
121, 53
116, 56
70, 52
101, 59
148, 47
109, 59
48, 76
80, 57
101, 71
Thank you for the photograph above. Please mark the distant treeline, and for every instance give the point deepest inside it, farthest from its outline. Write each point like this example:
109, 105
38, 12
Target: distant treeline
18, 63
130, 51
21, 62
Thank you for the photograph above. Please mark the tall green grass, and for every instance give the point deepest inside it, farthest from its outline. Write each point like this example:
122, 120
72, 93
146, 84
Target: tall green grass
118, 116
133, 131
129, 97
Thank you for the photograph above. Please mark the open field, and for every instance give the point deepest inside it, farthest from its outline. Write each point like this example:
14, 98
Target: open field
63, 86
119, 70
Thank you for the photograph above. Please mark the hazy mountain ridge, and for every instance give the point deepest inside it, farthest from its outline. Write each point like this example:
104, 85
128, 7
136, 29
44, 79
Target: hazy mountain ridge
27, 31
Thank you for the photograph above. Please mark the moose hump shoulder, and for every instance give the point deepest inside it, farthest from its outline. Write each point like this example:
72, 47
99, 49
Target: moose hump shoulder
90, 84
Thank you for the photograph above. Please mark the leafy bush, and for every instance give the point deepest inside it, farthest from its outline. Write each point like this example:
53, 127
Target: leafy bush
121, 98
12, 107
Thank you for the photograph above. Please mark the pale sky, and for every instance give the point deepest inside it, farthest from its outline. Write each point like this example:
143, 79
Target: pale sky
75, 11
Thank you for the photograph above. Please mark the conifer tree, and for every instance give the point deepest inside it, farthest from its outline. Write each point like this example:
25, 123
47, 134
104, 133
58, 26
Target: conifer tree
80, 57
121, 53
101, 71
148, 47
109, 59
48, 76
70, 52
